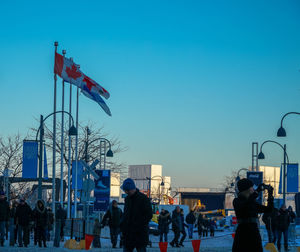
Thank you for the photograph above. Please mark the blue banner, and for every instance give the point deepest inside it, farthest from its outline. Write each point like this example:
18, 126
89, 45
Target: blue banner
79, 175
30, 159
257, 179
292, 178
280, 181
102, 190
45, 163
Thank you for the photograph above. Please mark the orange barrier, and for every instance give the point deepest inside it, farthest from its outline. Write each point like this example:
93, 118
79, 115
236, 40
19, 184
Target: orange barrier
196, 245
88, 241
163, 246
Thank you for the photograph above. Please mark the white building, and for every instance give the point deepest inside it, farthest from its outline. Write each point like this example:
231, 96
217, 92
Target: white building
115, 183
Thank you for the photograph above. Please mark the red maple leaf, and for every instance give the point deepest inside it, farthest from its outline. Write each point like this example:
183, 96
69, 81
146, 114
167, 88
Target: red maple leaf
72, 72
89, 82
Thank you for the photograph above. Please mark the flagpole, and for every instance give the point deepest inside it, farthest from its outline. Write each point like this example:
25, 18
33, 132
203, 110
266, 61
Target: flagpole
54, 138
76, 154
62, 142
69, 157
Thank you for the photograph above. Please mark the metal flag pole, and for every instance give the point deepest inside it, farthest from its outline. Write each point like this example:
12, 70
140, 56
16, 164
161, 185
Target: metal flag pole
54, 139
69, 157
62, 142
76, 155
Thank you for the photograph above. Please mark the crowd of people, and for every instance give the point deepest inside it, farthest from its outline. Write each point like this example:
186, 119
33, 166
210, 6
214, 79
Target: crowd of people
20, 220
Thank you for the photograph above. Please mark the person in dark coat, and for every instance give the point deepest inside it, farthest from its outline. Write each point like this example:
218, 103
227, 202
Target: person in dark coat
135, 221
50, 223
183, 228
247, 237
283, 222
205, 226
190, 219
40, 218
270, 220
177, 226
113, 218
97, 233
60, 220
200, 223
23, 219
164, 220
212, 227
12, 224
4, 217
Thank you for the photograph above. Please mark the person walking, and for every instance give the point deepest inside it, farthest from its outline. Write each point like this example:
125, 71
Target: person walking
247, 237
200, 223
97, 233
23, 219
12, 224
4, 217
50, 222
190, 220
283, 222
113, 218
164, 220
135, 221
205, 226
270, 220
40, 217
60, 219
292, 227
212, 227
182, 231
176, 226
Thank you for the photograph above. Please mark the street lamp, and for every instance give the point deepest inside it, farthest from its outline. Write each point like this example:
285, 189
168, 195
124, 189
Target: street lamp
261, 155
72, 132
281, 131
149, 184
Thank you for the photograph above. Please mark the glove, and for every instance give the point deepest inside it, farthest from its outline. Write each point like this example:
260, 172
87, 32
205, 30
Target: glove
260, 188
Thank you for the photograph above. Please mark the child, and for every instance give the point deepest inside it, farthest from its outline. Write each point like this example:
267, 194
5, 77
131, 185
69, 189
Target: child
97, 233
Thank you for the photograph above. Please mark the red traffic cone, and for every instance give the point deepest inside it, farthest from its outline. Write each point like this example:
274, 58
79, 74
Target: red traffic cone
196, 245
163, 246
88, 241
233, 235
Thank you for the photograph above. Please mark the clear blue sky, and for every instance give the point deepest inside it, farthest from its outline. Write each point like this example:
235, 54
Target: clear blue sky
192, 83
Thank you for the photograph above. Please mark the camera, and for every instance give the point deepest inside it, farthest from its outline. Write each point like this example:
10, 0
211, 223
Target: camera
263, 187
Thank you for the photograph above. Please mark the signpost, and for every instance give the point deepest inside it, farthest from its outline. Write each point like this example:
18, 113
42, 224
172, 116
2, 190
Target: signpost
257, 179
102, 190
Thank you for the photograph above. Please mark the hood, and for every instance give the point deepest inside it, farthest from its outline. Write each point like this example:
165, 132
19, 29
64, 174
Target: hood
164, 216
40, 209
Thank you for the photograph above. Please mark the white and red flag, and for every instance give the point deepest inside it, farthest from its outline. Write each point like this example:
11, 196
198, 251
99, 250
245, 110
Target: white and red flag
70, 72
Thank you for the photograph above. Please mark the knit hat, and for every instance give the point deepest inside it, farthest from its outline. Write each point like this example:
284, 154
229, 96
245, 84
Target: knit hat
244, 184
128, 185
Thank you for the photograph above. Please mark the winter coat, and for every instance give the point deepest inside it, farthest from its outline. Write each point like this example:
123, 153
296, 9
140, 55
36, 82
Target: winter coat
113, 217
23, 215
50, 219
270, 219
190, 218
247, 237
164, 220
177, 224
60, 214
134, 224
212, 225
4, 210
40, 215
292, 216
283, 219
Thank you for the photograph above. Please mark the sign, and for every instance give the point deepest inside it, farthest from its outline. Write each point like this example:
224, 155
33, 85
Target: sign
292, 179
102, 190
30, 159
257, 179
79, 175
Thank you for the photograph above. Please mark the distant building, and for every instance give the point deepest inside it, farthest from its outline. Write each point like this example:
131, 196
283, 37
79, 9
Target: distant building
115, 183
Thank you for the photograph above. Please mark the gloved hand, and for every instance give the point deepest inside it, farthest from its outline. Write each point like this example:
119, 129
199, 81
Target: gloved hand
260, 188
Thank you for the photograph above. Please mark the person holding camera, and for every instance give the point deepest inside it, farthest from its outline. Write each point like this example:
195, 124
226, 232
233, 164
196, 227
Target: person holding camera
247, 236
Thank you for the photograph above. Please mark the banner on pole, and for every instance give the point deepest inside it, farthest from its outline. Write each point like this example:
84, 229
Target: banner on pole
30, 159
79, 175
292, 178
280, 180
45, 163
257, 179
102, 190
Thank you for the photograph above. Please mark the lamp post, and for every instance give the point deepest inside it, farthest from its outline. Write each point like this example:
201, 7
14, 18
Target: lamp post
261, 155
72, 132
149, 184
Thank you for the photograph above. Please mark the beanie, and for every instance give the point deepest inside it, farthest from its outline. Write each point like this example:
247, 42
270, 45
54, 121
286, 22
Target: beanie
244, 184
128, 184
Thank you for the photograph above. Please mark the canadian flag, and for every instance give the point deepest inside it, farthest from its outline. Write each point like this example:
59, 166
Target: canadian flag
70, 72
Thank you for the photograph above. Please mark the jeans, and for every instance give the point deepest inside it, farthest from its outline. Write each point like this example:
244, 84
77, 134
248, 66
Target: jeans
23, 235
2, 232
183, 236
190, 230
285, 237
141, 249
161, 235
114, 233
176, 237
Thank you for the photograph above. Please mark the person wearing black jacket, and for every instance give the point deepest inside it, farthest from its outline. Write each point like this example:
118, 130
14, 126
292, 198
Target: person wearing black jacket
40, 217
283, 222
270, 220
135, 221
113, 217
164, 220
23, 218
183, 228
247, 237
190, 220
200, 222
177, 226
4, 216
60, 220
